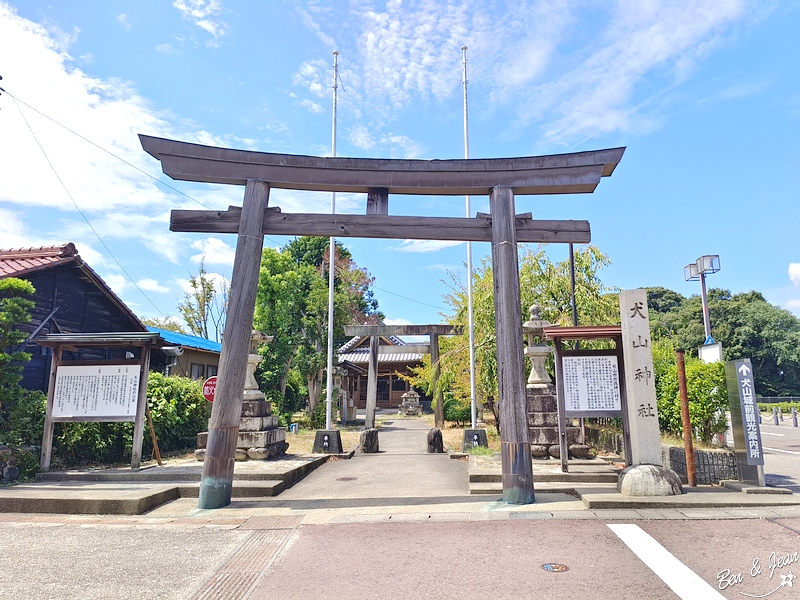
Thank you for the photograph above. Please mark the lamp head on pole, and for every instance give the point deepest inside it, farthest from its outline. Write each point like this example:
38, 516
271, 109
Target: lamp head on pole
705, 265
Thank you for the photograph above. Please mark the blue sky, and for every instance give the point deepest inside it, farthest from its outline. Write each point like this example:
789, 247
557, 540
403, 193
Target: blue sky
705, 95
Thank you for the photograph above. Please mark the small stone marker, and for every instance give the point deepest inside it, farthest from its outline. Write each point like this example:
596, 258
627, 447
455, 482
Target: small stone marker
369, 441
640, 381
328, 441
474, 438
435, 443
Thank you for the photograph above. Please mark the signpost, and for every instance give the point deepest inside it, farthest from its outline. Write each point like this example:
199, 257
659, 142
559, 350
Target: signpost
210, 388
744, 420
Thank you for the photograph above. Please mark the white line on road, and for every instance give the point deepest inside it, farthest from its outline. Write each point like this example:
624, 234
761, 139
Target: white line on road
770, 433
680, 578
779, 450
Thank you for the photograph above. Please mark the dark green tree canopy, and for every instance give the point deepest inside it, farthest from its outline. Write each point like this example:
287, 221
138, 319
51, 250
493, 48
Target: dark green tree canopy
747, 326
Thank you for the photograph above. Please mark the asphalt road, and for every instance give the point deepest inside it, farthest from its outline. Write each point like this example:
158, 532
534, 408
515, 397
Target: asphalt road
781, 445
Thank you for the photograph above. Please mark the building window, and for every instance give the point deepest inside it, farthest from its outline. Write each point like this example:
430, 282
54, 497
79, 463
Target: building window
399, 385
198, 371
211, 370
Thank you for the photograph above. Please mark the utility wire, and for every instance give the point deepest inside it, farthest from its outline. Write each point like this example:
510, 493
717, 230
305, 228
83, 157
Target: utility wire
142, 171
409, 299
75, 204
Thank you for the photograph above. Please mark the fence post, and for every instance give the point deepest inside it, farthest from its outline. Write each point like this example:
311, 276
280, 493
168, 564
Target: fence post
794, 416
775, 415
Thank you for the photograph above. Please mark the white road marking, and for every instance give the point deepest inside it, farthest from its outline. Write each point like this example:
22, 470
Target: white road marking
770, 433
680, 578
779, 450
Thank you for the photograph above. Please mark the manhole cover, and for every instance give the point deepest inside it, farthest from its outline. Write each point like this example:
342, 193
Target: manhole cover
347, 478
555, 567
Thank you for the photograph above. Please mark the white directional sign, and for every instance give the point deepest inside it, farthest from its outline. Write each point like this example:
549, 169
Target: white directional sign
751, 432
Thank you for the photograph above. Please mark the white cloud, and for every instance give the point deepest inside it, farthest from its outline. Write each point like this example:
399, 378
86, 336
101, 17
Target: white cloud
311, 106
309, 76
794, 273
793, 304
422, 246
152, 285
118, 283
123, 20
165, 49
213, 251
203, 14
361, 138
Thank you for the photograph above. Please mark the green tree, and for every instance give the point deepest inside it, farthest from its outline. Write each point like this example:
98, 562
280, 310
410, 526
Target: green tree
542, 282
15, 307
745, 324
292, 305
166, 323
205, 304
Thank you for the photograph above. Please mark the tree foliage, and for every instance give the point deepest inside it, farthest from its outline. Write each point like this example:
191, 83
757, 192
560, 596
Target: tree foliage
205, 304
15, 307
746, 325
292, 305
166, 323
542, 282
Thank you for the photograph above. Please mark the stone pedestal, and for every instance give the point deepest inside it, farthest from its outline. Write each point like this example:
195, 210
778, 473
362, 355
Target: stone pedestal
543, 422
649, 480
435, 442
474, 438
259, 436
328, 441
369, 441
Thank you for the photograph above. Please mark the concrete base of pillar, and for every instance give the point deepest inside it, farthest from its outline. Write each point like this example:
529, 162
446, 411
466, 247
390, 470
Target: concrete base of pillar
474, 438
328, 441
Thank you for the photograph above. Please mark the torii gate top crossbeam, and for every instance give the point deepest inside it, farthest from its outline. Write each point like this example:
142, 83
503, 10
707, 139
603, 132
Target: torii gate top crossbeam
403, 330
575, 173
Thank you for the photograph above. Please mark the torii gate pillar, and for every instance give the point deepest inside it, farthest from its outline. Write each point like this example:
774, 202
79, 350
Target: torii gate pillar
216, 485
515, 443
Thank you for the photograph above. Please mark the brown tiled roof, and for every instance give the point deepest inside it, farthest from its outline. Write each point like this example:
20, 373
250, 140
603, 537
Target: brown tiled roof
19, 261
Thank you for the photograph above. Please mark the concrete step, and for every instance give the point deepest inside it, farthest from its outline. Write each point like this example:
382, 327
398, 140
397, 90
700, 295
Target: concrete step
241, 489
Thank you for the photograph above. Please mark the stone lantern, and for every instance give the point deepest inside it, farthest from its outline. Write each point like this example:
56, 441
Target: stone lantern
537, 350
410, 404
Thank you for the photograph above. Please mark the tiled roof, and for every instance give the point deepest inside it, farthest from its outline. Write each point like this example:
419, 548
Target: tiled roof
19, 261
362, 357
188, 341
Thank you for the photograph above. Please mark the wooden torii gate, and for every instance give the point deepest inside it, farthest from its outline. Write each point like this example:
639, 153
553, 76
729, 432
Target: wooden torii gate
499, 178
375, 332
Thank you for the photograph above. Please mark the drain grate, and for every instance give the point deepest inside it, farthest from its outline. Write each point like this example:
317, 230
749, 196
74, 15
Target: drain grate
555, 567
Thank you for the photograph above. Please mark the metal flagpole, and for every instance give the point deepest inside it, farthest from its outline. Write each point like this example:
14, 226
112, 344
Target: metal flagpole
332, 254
471, 325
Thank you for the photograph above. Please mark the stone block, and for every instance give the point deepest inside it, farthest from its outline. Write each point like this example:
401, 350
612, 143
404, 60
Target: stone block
548, 436
328, 441
256, 408
546, 403
543, 419
258, 423
435, 443
258, 453
200, 454
260, 439
649, 480
241, 454
202, 439
579, 450
539, 451
369, 441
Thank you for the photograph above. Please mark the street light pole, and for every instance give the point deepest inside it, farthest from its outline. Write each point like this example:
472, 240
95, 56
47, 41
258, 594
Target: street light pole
705, 265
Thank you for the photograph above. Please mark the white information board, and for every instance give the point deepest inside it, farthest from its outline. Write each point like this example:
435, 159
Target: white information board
591, 384
96, 391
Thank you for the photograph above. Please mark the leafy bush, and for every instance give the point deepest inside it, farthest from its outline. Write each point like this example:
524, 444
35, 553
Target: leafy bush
705, 384
318, 416
456, 410
179, 412
786, 407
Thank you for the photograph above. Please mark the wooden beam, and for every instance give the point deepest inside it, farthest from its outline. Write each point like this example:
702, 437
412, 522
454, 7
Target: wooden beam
378, 201
387, 330
477, 229
372, 383
409, 349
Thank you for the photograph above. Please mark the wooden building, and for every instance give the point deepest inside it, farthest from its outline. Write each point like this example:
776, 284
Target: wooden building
70, 298
186, 355
353, 358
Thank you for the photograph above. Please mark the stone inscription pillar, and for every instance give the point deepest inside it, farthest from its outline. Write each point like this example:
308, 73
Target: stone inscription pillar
640, 382
223, 428
372, 382
517, 466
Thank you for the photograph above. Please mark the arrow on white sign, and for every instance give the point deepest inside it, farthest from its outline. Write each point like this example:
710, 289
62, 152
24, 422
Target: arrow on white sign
744, 369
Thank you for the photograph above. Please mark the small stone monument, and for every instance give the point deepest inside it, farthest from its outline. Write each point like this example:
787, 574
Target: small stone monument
410, 405
259, 438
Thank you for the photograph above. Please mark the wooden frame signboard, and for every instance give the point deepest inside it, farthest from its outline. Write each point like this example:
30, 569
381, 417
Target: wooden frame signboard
110, 390
589, 383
